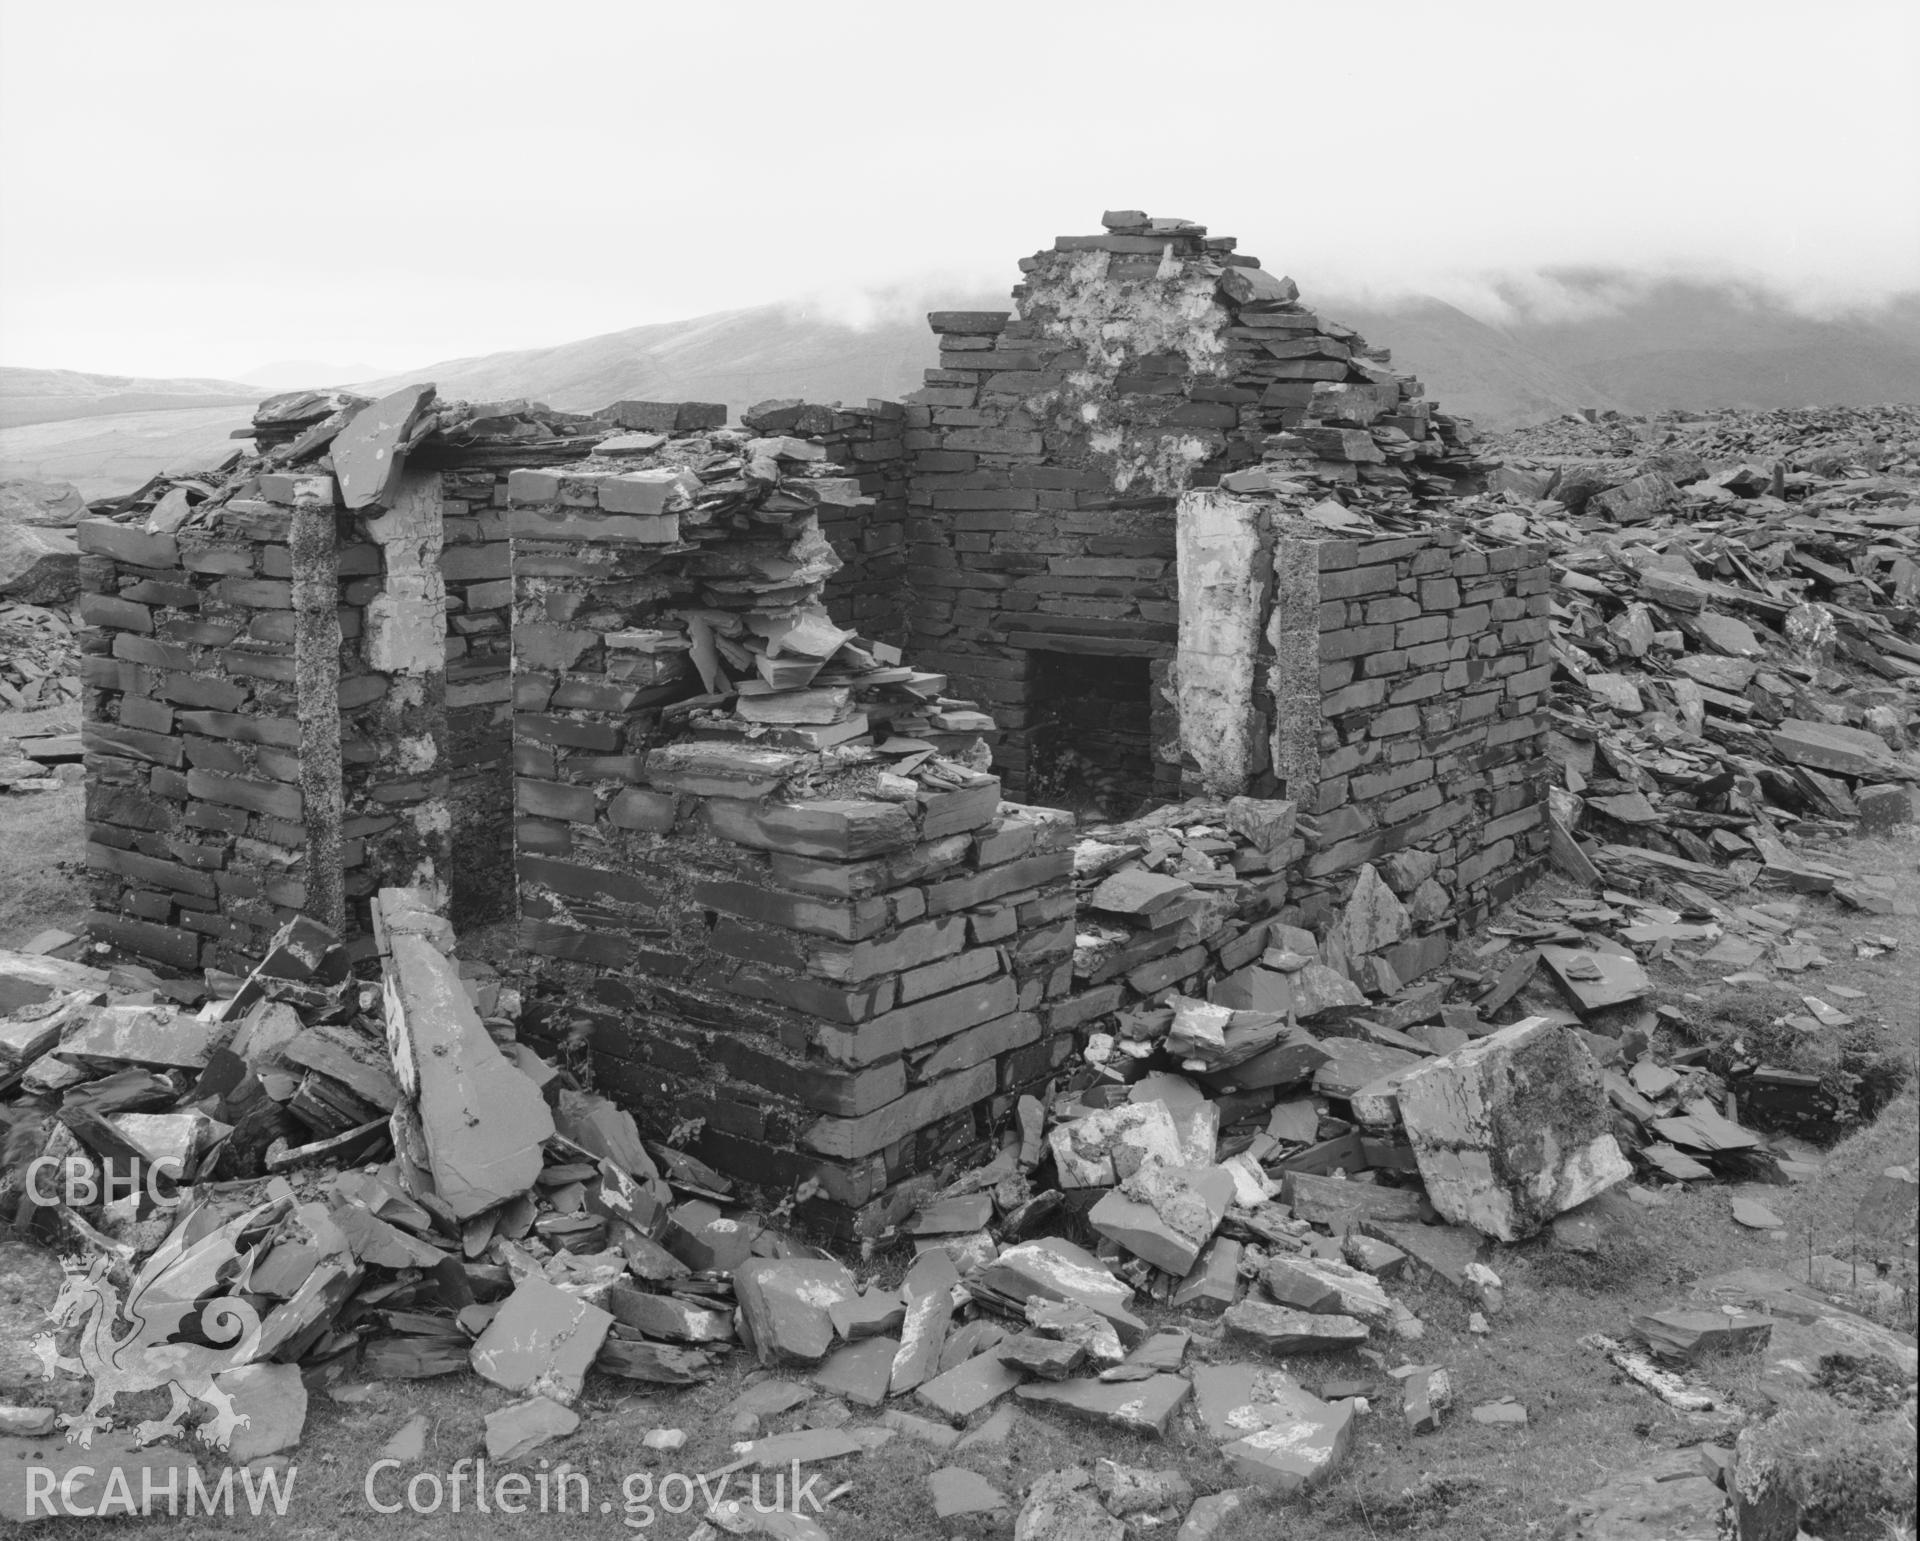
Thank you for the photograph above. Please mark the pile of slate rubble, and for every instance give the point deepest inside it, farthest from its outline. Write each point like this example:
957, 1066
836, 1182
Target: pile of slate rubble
39, 672
1216, 1200
1218, 1196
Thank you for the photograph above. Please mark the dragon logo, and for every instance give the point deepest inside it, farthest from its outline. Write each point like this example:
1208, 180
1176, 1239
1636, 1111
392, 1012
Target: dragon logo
175, 1328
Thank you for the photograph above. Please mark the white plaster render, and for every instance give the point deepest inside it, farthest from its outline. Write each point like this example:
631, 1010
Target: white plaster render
1218, 545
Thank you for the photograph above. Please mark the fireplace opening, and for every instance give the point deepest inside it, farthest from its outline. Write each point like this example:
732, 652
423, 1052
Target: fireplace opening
1091, 742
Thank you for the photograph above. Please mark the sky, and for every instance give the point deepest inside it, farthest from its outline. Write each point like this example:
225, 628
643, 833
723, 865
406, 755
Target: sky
200, 188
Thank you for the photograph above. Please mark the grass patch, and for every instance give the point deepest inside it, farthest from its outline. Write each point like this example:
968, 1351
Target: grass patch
43, 884
1851, 1471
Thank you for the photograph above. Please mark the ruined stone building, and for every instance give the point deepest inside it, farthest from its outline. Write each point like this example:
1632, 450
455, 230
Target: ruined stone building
758, 732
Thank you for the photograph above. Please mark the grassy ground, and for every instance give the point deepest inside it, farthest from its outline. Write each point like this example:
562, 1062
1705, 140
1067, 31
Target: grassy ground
42, 865
1493, 1483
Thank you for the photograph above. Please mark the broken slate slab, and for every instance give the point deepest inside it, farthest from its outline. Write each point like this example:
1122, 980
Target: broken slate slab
1513, 1129
1327, 1288
1213, 1283
1165, 1214
959, 1393
779, 1451
1238, 1403
1596, 980
1057, 1270
520, 1428
1298, 1454
1684, 1333
1827, 746
667, 1317
1163, 1352
1072, 1322
1037, 1354
1374, 918
1671, 1163
923, 1333
975, 1337
1140, 1407
1354, 1063
657, 1363
1281, 1331
542, 1340
1373, 1256
937, 1436
368, 453
786, 1303
861, 1372
483, 1121
870, 1314
965, 1503
952, 1217
1701, 1126
769, 1398
1135, 891
993, 1431
1339, 1204
1104, 1147
1319, 991
707, 1241
157, 1036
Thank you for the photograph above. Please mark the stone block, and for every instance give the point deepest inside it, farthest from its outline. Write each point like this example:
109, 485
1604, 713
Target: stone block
830, 830
1512, 1129
1883, 809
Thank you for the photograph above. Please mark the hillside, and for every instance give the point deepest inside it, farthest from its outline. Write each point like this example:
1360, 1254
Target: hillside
1471, 368
105, 455
738, 357
56, 395
1684, 343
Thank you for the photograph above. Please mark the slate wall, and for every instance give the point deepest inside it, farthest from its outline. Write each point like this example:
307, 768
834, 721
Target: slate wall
213, 802
837, 989
1050, 449
1431, 659
196, 835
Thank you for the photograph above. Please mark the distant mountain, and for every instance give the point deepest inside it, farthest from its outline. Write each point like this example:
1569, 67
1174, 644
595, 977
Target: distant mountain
304, 374
744, 356
1472, 369
54, 395
1690, 343
738, 357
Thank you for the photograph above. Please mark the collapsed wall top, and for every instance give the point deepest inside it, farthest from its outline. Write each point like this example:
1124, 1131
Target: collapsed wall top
1155, 357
